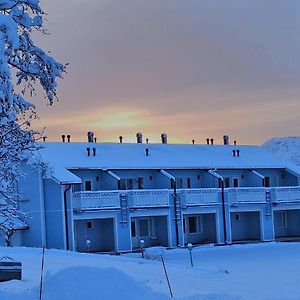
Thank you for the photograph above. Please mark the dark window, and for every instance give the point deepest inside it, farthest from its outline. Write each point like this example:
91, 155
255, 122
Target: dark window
144, 227
193, 226
130, 184
179, 183
122, 185
87, 185
97, 178
198, 177
150, 177
267, 181
89, 225
237, 217
133, 229
235, 182
188, 182
227, 182
140, 183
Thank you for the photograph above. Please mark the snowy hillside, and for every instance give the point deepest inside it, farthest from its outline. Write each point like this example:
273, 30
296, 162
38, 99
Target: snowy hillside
245, 272
286, 147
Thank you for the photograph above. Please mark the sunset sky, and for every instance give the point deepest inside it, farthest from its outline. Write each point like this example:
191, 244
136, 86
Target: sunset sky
191, 68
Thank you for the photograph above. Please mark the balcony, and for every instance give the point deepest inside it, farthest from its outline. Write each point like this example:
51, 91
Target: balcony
148, 198
194, 197
96, 200
287, 194
246, 195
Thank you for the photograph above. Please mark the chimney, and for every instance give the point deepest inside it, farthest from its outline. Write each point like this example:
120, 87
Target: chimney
63, 137
233, 153
139, 138
121, 139
44, 138
164, 138
207, 141
94, 151
226, 139
88, 151
193, 142
69, 138
237, 153
90, 136
234, 142
147, 151
212, 141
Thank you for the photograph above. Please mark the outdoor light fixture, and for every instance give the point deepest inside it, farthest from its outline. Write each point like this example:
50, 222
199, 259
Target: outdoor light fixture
190, 248
88, 245
142, 244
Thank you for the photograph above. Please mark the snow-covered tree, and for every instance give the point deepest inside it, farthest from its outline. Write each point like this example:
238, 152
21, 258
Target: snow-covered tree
23, 64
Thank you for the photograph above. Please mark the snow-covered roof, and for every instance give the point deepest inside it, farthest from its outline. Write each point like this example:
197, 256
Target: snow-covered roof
63, 156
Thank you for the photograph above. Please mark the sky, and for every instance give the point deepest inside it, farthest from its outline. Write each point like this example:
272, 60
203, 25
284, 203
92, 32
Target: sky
191, 68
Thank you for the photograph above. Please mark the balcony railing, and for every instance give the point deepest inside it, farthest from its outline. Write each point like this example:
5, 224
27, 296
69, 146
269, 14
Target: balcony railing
287, 194
148, 198
192, 197
246, 195
96, 200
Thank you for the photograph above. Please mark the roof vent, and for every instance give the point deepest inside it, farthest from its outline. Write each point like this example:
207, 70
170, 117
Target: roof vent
234, 142
212, 141
207, 141
88, 151
226, 139
95, 140
44, 138
94, 151
121, 139
63, 138
147, 152
147, 141
164, 138
90, 136
69, 138
139, 138
193, 142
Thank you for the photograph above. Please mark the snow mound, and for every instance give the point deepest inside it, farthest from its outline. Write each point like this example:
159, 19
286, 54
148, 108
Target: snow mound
285, 147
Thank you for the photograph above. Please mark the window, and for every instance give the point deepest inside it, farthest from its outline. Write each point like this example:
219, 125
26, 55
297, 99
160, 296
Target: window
89, 225
195, 224
140, 183
179, 182
133, 228
129, 184
235, 182
227, 182
188, 182
237, 217
87, 185
280, 219
146, 227
267, 181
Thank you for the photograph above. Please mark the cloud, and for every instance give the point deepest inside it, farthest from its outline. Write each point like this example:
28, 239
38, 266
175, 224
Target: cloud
192, 67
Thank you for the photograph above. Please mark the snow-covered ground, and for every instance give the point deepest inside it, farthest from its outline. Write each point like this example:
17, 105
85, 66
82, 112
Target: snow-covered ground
286, 147
257, 271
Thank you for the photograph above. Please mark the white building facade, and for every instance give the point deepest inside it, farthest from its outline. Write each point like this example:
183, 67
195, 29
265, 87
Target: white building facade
106, 197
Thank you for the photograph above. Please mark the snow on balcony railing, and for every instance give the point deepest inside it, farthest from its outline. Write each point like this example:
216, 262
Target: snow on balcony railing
287, 194
246, 195
199, 196
96, 200
148, 198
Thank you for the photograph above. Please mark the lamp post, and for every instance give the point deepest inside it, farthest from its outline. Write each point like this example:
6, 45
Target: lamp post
88, 245
190, 248
142, 244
